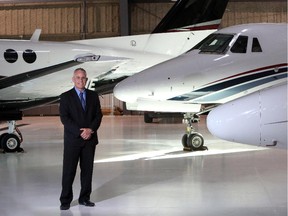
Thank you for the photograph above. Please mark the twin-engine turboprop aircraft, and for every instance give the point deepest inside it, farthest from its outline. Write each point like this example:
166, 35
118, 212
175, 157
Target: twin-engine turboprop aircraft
34, 72
231, 63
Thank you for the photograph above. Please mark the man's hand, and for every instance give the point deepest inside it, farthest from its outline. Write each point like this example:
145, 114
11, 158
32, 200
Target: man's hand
86, 133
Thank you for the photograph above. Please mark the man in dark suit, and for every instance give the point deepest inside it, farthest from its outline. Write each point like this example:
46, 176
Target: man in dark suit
80, 113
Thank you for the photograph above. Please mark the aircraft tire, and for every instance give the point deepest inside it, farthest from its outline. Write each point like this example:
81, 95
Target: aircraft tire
184, 140
195, 141
1, 136
10, 142
147, 118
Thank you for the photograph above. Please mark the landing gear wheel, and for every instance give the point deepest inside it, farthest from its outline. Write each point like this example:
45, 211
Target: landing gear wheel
147, 118
1, 136
195, 141
10, 142
184, 141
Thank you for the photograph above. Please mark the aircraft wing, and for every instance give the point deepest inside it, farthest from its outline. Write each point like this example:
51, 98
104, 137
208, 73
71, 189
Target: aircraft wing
29, 75
78, 60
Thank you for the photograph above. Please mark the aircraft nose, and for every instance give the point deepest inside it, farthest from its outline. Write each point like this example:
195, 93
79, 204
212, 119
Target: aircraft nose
125, 91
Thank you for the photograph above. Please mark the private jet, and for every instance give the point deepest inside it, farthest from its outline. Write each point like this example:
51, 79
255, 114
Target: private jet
231, 63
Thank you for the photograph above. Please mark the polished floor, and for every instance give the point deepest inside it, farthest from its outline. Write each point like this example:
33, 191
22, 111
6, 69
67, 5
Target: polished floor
141, 170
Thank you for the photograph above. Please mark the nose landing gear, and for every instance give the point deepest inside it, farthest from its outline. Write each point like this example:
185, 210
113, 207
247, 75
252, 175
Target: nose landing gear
192, 140
11, 141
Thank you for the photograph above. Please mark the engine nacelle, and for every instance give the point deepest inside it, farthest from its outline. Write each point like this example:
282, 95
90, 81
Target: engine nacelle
258, 119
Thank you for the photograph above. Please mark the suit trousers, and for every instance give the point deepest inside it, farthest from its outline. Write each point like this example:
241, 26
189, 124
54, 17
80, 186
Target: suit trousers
84, 154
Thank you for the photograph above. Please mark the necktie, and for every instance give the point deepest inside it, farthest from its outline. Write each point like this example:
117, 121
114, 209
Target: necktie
82, 100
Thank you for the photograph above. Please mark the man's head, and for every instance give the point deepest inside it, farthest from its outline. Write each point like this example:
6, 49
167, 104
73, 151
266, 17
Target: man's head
79, 78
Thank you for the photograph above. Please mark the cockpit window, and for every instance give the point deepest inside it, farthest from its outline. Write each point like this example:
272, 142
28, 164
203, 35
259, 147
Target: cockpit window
256, 47
214, 43
240, 45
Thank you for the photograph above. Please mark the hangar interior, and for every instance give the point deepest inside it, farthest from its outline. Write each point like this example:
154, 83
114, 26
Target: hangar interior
62, 20
140, 169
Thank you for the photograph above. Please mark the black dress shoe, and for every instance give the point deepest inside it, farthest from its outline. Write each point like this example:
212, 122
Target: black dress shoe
87, 203
64, 207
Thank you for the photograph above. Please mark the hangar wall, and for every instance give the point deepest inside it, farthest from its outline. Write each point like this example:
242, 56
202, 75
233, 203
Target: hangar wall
73, 20
60, 20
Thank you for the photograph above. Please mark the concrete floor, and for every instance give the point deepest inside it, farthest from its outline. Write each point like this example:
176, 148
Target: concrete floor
140, 169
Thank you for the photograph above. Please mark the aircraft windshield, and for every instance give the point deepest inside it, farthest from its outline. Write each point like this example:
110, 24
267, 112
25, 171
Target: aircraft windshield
214, 43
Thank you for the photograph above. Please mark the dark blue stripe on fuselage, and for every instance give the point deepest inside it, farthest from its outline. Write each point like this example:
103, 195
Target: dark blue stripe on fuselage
237, 81
248, 82
219, 95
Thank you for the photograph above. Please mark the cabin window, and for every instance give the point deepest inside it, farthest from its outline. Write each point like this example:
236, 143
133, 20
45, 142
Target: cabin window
29, 56
10, 55
214, 43
240, 45
256, 47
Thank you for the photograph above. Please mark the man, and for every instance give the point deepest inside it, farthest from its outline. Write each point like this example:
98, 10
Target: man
81, 115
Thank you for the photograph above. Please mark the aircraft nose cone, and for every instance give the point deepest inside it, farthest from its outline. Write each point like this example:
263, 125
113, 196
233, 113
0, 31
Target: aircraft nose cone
125, 91
118, 92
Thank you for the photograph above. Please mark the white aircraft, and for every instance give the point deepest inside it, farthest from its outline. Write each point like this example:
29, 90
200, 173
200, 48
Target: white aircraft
34, 72
229, 64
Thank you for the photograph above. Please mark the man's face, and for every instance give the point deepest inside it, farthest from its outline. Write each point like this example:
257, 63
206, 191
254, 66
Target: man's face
79, 79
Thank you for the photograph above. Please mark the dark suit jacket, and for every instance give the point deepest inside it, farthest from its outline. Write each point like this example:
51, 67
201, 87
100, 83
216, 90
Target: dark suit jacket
74, 117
